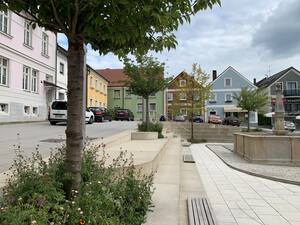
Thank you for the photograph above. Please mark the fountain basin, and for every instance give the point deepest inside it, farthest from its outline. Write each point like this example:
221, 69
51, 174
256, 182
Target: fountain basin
268, 148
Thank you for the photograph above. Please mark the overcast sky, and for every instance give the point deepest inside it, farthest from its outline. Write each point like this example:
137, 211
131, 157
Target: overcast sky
253, 36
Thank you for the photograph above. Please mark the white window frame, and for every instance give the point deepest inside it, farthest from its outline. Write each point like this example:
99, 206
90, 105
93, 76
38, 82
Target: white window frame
4, 112
170, 96
45, 44
61, 68
37, 110
227, 94
96, 84
153, 95
181, 83
5, 17
281, 85
212, 99
4, 69
119, 91
26, 78
126, 93
181, 98
140, 107
287, 84
26, 113
34, 81
225, 82
100, 87
91, 102
104, 88
27, 33
185, 111
91, 82
152, 110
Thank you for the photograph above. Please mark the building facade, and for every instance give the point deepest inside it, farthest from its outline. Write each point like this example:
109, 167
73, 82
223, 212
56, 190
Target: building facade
221, 101
61, 73
182, 96
96, 88
290, 83
119, 96
27, 59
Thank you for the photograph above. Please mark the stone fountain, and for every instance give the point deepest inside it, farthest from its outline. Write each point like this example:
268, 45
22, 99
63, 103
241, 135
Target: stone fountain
279, 113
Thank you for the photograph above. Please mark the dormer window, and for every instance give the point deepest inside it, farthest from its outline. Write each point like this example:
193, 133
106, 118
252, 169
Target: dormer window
227, 82
182, 83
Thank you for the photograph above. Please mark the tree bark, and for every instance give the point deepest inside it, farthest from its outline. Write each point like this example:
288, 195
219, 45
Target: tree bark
147, 112
76, 114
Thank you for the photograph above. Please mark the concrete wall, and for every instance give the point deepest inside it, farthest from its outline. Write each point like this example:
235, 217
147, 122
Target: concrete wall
268, 148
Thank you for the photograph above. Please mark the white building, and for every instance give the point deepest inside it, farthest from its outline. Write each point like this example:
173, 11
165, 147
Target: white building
62, 73
27, 69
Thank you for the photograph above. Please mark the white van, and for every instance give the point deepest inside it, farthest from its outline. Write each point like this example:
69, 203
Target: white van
58, 113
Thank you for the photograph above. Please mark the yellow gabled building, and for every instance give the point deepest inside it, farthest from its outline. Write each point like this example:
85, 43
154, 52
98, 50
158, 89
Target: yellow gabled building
96, 89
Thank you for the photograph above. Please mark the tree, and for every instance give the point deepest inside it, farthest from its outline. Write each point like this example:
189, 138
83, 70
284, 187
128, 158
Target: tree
119, 27
251, 100
145, 78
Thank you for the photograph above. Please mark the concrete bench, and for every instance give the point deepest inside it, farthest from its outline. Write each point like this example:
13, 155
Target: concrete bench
200, 211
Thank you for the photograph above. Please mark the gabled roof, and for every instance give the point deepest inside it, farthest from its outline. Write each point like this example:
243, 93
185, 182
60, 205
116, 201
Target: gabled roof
267, 81
116, 77
238, 73
91, 68
62, 50
182, 74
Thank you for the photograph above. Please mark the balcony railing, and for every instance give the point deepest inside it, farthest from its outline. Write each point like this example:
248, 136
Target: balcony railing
293, 92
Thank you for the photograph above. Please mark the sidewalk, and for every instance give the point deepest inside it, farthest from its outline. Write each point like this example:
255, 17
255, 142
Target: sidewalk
241, 199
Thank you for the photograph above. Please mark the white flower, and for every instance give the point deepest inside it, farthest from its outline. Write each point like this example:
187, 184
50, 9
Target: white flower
79, 209
33, 222
81, 212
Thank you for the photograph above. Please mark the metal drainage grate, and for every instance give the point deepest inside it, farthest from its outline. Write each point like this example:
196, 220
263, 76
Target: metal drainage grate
188, 158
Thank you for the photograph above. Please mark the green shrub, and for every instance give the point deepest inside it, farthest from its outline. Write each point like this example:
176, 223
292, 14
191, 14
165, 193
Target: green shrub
115, 194
153, 127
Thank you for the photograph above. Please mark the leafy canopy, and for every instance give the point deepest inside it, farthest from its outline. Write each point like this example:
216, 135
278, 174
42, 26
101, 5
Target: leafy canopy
120, 26
146, 77
251, 99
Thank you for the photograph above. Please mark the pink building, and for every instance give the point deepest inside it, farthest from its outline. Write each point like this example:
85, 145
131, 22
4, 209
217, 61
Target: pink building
27, 69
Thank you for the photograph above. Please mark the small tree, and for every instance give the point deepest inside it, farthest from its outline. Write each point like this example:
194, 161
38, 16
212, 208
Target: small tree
146, 77
251, 100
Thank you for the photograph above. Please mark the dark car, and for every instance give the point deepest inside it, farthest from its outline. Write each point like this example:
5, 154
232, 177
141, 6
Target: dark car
198, 119
231, 120
124, 114
162, 118
101, 114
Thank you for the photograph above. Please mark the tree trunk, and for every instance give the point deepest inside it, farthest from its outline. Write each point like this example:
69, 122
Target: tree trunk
147, 112
76, 114
248, 129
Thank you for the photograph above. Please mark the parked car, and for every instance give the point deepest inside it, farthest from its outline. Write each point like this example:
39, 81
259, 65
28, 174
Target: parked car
124, 114
58, 113
215, 119
180, 118
101, 114
290, 126
198, 119
162, 118
231, 120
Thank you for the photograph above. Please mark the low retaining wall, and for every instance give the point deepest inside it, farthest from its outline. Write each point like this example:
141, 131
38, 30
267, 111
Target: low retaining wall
266, 148
144, 135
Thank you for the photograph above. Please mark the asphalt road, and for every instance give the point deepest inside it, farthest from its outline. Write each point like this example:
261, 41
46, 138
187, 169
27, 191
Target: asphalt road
47, 137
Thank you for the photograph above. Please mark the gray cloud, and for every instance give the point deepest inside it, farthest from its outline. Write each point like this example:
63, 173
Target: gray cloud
280, 33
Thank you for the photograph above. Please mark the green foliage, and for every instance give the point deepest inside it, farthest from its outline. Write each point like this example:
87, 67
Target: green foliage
264, 121
110, 194
152, 127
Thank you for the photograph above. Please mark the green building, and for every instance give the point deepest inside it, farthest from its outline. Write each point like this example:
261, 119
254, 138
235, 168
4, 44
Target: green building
119, 96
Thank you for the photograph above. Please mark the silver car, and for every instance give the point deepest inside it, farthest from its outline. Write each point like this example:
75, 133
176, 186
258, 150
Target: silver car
290, 126
180, 118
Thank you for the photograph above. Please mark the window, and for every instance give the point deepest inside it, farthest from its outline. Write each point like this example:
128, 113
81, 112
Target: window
291, 85
104, 88
227, 82
128, 93
100, 88
91, 81
3, 71
152, 95
34, 81
140, 107
213, 97
91, 102
26, 78
27, 33
196, 97
182, 83
152, 107
228, 97
182, 96
35, 111
4, 21
61, 96
183, 111
62, 68
96, 103
104, 105
117, 94
170, 96
100, 104
3, 108
96, 84
49, 78
27, 109
45, 44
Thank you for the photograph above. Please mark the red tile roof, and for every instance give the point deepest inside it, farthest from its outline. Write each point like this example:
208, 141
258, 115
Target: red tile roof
116, 77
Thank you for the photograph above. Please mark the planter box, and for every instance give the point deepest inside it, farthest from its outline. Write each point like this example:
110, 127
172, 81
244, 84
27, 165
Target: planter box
144, 135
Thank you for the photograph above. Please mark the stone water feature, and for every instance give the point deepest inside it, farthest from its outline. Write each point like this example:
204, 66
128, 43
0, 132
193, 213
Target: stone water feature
278, 147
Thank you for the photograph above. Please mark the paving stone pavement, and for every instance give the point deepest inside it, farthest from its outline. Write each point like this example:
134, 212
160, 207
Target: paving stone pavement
241, 199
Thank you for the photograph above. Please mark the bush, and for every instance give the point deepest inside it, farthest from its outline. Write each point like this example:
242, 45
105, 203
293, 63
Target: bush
153, 127
113, 194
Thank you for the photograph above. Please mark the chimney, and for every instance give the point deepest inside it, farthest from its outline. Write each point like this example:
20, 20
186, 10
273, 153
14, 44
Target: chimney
254, 81
214, 75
